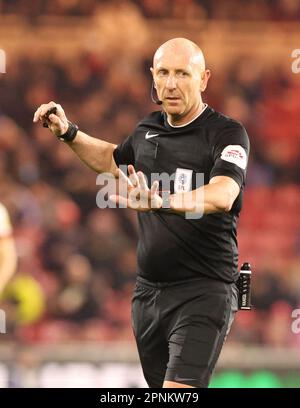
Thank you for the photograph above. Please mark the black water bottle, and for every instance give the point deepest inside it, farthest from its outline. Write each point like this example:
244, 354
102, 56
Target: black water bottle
244, 286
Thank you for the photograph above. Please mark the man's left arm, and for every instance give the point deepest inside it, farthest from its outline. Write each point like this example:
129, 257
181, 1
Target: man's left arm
227, 176
217, 196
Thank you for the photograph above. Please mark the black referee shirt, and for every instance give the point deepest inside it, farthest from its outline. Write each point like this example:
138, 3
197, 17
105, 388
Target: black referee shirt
171, 247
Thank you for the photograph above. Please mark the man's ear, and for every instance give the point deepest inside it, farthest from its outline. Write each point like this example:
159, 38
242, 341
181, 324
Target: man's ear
152, 72
205, 75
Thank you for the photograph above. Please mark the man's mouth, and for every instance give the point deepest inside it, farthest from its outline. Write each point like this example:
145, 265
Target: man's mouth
172, 100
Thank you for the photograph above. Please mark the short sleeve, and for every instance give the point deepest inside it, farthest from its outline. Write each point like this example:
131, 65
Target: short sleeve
124, 153
231, 153
5, 225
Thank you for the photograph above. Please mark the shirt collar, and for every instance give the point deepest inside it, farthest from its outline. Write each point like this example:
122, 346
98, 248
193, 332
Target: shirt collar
186, 124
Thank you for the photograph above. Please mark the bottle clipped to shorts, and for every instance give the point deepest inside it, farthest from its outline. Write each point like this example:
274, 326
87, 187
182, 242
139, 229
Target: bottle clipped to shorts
244, 286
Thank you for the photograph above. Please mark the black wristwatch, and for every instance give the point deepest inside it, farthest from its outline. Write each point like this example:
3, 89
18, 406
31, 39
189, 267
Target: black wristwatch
70, 134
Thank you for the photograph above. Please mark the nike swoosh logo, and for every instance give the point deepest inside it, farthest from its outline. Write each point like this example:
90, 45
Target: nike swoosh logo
148, 135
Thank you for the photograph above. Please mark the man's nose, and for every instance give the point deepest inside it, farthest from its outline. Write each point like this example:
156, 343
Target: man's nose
171, 82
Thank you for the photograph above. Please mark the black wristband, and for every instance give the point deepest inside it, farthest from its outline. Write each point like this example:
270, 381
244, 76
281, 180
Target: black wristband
70, 134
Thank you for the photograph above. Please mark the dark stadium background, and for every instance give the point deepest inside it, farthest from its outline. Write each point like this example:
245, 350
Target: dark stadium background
68, 306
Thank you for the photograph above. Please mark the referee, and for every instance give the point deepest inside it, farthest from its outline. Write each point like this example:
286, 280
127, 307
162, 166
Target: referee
185, 296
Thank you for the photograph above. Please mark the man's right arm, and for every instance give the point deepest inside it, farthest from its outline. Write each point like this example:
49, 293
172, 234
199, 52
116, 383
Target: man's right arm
95, 153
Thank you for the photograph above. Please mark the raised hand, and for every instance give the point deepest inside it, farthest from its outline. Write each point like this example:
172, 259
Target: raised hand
57, 122
139, 196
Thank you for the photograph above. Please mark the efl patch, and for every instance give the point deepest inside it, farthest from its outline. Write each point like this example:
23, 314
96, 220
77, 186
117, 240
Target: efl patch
183, 180
235, 154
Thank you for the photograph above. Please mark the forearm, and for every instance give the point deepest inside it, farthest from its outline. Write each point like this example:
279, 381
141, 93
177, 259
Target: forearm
211, 198
95, 153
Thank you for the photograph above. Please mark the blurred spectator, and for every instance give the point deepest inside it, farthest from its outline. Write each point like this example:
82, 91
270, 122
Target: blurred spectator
76, 299
23, 301
211, 9
8, 256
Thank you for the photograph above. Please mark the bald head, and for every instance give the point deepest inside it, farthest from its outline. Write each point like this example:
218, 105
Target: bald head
179, 77
182, 49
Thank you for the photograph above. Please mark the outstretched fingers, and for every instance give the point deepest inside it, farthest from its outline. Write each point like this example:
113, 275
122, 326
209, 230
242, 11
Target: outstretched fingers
133, 176
124, 178
142, 181
154, 187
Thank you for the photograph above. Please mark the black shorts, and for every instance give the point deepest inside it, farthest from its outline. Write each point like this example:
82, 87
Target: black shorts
180, 328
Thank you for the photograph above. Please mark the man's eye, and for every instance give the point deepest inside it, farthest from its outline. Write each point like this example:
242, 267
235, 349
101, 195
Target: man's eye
162, 72
183, 74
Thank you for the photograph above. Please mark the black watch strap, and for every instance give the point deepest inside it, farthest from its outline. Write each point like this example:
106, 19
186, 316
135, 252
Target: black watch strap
70, 134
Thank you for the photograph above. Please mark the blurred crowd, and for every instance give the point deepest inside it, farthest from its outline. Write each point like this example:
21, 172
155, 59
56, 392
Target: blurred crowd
278, 10
77, 262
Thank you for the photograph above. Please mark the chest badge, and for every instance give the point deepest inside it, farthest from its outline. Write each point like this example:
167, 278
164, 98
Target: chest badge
183, 180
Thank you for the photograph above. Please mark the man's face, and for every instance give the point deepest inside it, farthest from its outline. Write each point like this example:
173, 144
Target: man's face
178, 80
